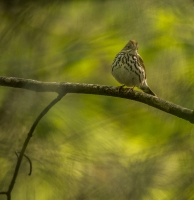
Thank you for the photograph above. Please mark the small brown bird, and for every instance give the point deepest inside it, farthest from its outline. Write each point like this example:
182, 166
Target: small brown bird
128, 68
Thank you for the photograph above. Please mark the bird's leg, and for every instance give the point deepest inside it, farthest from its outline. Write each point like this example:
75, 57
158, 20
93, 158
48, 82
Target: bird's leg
130, 89
119, 87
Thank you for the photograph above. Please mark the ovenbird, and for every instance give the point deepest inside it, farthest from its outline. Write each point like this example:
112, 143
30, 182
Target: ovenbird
129, 70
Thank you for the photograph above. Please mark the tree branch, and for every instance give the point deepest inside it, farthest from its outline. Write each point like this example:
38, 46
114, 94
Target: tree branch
26, 142
66, 87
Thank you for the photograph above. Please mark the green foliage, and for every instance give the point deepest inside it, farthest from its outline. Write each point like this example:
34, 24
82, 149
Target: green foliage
97, 147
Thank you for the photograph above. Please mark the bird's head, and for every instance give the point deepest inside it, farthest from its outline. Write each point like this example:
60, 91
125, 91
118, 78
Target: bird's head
131, 46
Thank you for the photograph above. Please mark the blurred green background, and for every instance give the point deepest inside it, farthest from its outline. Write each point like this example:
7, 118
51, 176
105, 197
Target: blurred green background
96, 147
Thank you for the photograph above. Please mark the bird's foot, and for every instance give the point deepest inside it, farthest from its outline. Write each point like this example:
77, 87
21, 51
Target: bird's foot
130, 89
119, 87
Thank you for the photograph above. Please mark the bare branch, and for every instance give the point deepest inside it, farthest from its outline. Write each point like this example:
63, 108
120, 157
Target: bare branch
83, 88
30, 162
26, 142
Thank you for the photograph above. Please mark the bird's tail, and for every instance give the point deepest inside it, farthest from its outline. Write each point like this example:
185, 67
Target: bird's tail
146, 89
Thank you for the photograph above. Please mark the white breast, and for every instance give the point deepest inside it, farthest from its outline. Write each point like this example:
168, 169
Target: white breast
127, 70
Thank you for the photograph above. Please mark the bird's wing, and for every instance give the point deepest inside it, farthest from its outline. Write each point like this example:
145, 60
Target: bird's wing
141, 62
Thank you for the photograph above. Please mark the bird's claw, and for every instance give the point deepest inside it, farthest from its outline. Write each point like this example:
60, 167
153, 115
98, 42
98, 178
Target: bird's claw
130, 90
119, 88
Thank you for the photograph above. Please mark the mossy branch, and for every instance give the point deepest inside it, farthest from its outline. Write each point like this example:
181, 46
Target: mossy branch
66, 87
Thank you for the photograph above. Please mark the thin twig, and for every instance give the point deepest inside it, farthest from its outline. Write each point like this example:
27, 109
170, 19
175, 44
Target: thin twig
30, 162
30, 133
